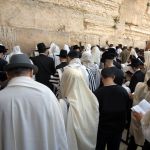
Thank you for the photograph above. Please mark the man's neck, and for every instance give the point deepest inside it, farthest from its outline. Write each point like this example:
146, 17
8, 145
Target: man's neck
43, 54
108, 82
1, 56
109, 65
63, 60
137, 69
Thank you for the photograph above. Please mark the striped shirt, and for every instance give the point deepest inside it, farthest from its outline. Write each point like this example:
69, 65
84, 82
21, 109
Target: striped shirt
92, 83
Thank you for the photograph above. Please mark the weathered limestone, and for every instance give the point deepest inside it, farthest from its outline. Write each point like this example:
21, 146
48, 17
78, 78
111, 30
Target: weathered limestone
26, 22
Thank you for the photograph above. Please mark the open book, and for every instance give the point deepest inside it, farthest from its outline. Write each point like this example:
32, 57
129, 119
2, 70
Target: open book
142, 107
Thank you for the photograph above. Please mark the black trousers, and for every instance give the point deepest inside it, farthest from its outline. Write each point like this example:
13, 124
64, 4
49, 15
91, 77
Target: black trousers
132, 145
111, 140
146, 145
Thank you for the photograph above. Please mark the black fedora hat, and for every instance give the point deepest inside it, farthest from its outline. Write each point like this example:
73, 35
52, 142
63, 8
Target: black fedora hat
63, 53
73, 54
75, 47
3, 49
113, 51
41, 48
135, 62
107, 55
20, 61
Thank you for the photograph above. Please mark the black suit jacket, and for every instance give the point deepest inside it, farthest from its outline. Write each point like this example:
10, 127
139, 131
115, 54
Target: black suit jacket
46, 68
3, 75
138, 76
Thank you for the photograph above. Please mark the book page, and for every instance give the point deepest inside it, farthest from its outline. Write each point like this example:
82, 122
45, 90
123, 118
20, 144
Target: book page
138, 109
142, 107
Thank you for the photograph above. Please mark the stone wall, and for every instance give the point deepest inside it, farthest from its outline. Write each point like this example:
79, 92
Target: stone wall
27, 22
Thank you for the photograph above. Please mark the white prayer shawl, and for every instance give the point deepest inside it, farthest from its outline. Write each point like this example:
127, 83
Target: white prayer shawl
76, 63
96, 55
147, 59
54, 50
31, 118
141, 92
66, 47
16, 50
147, 76
146, 126
83, 113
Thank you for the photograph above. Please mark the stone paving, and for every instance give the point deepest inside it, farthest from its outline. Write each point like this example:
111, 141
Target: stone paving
124, 147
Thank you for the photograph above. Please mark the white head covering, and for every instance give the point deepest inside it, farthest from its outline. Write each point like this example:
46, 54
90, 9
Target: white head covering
76, 63
53, 51
86, 58
96, 55
88, 47
66, 47
147, 59
83, 113
133, 52
16, 50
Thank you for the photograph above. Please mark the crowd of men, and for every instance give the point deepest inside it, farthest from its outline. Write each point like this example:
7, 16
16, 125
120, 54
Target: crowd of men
75, 98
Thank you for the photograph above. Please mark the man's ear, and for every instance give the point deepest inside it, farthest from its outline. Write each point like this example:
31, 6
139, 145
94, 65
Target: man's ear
9, 76
113, 77
47, 52
31, 73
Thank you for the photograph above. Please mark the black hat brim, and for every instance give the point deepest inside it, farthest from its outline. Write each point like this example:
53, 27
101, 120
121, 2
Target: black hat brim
134, 65
64, 56
39, 50
21, 65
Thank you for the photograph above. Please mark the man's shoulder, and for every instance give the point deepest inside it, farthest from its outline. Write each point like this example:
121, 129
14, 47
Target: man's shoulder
99, 90
119, 88
62, 65
32, 86
117, 69
115, 87
42, 58
139, 72
40, 86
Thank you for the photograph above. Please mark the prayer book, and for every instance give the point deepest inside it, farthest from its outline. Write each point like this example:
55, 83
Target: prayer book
142, 107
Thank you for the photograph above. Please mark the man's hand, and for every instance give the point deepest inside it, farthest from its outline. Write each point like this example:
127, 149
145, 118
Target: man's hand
138, 116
